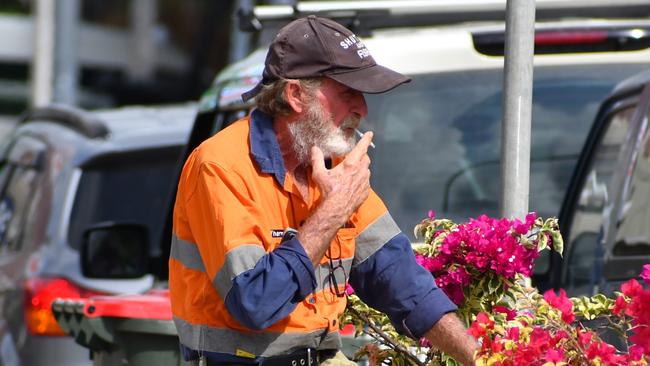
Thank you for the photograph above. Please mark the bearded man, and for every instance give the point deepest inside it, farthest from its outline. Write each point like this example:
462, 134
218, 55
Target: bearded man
275, 214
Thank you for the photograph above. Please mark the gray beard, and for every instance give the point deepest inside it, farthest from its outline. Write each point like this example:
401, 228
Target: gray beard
316, 128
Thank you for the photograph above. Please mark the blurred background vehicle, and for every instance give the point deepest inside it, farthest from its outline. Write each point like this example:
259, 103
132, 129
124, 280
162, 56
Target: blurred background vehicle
438, 138
68, 177
605, 218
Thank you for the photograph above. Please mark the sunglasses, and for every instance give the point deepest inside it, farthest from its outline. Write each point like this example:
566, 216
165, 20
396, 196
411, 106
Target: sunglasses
336, 264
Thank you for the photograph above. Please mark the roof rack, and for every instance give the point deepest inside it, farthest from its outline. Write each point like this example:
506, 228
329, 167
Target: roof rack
367, 15
75, 118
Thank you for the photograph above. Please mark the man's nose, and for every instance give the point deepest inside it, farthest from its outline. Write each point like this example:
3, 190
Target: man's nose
358, 105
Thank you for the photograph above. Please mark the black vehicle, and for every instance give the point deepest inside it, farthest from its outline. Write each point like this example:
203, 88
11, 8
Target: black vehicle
605, 217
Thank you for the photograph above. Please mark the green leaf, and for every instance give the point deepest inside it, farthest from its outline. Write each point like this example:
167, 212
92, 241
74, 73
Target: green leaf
448, 361
494, 285
542, 242
558, 242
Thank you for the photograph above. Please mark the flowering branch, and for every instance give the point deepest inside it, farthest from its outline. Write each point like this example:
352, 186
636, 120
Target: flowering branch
482, 266
385, 337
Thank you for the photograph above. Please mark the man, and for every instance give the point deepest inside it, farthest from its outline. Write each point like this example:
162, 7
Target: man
275, 213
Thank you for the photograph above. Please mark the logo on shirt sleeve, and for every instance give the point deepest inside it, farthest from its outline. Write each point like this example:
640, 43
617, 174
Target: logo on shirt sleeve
277, 233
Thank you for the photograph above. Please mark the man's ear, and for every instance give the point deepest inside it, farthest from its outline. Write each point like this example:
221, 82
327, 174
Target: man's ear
294, 95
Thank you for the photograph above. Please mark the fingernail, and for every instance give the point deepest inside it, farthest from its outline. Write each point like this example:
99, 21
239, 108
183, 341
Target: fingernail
360, 134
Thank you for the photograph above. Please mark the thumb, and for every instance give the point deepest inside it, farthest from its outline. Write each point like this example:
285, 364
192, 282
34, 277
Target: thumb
317, 160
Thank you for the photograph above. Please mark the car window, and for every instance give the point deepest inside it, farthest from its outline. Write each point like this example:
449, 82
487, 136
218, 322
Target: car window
632, 236
438, 139
133, 188
594, 196
19, 175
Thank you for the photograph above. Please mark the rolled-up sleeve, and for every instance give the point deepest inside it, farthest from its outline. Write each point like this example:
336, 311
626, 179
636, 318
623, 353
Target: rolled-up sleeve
391, 281
270, 291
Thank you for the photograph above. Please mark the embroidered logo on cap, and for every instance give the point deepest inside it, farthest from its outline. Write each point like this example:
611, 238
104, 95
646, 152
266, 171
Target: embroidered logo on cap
353, 40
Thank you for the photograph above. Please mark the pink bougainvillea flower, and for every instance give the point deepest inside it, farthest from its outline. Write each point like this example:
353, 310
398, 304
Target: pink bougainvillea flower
641, 338
562, 303
460, 276
584, 337
635, 353
530, 218
619, 306
520, 227
452, 289
513, 334
510, 313
606, 353
431, 264
631, 288
554, 356
481, 325
645, 274
420, 259
348, 289
423, 342
539, 338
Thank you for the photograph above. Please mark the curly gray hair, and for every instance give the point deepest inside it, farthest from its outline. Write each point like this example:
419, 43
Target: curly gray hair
271, 100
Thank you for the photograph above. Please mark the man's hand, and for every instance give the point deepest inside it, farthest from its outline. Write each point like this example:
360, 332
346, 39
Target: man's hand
450, 335
346, 186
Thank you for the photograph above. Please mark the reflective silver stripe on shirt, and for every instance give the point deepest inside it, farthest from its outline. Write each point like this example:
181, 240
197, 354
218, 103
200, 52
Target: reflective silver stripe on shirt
238, 260
323, 274
205, 338
374, 237
187, 253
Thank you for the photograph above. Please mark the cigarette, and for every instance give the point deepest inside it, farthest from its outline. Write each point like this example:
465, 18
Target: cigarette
360, 134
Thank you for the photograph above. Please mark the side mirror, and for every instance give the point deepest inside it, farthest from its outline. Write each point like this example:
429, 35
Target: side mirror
111, 250
594, 194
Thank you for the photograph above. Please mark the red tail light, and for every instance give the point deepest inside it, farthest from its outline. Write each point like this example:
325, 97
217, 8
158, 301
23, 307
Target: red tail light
561, 40
570, 38
39, 295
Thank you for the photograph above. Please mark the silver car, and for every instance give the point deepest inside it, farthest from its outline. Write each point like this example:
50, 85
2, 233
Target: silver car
65, 174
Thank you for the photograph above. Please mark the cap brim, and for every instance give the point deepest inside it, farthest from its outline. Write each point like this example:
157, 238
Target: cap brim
373, 80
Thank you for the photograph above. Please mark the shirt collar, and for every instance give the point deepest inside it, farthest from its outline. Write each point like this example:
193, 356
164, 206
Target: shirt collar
264, 146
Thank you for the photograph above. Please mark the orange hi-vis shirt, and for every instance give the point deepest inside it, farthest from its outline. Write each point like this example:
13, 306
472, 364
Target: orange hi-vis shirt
239, 292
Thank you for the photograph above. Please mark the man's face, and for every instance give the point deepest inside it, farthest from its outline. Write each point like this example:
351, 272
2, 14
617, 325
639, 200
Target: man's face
329, 120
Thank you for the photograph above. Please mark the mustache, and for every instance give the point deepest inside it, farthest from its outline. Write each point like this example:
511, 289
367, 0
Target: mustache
350, 122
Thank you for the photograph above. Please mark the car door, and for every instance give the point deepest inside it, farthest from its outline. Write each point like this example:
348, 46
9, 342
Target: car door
21, 171
602, 220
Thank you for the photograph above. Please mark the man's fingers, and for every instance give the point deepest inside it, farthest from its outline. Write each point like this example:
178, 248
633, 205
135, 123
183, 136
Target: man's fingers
317, 159
361, 148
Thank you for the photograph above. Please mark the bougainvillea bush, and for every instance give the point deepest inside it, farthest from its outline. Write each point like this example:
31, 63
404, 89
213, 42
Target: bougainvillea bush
484, 266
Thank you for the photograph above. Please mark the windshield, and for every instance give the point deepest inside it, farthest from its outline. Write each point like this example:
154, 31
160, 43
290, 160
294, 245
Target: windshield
130, 189
438, 139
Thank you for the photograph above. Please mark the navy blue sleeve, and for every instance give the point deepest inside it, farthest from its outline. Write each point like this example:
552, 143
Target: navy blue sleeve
271, 290
391, 281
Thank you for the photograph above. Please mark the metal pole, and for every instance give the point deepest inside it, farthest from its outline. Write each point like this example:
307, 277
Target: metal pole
66, 52
43, 59
240, 42
143, 51
268, 33
517, 105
